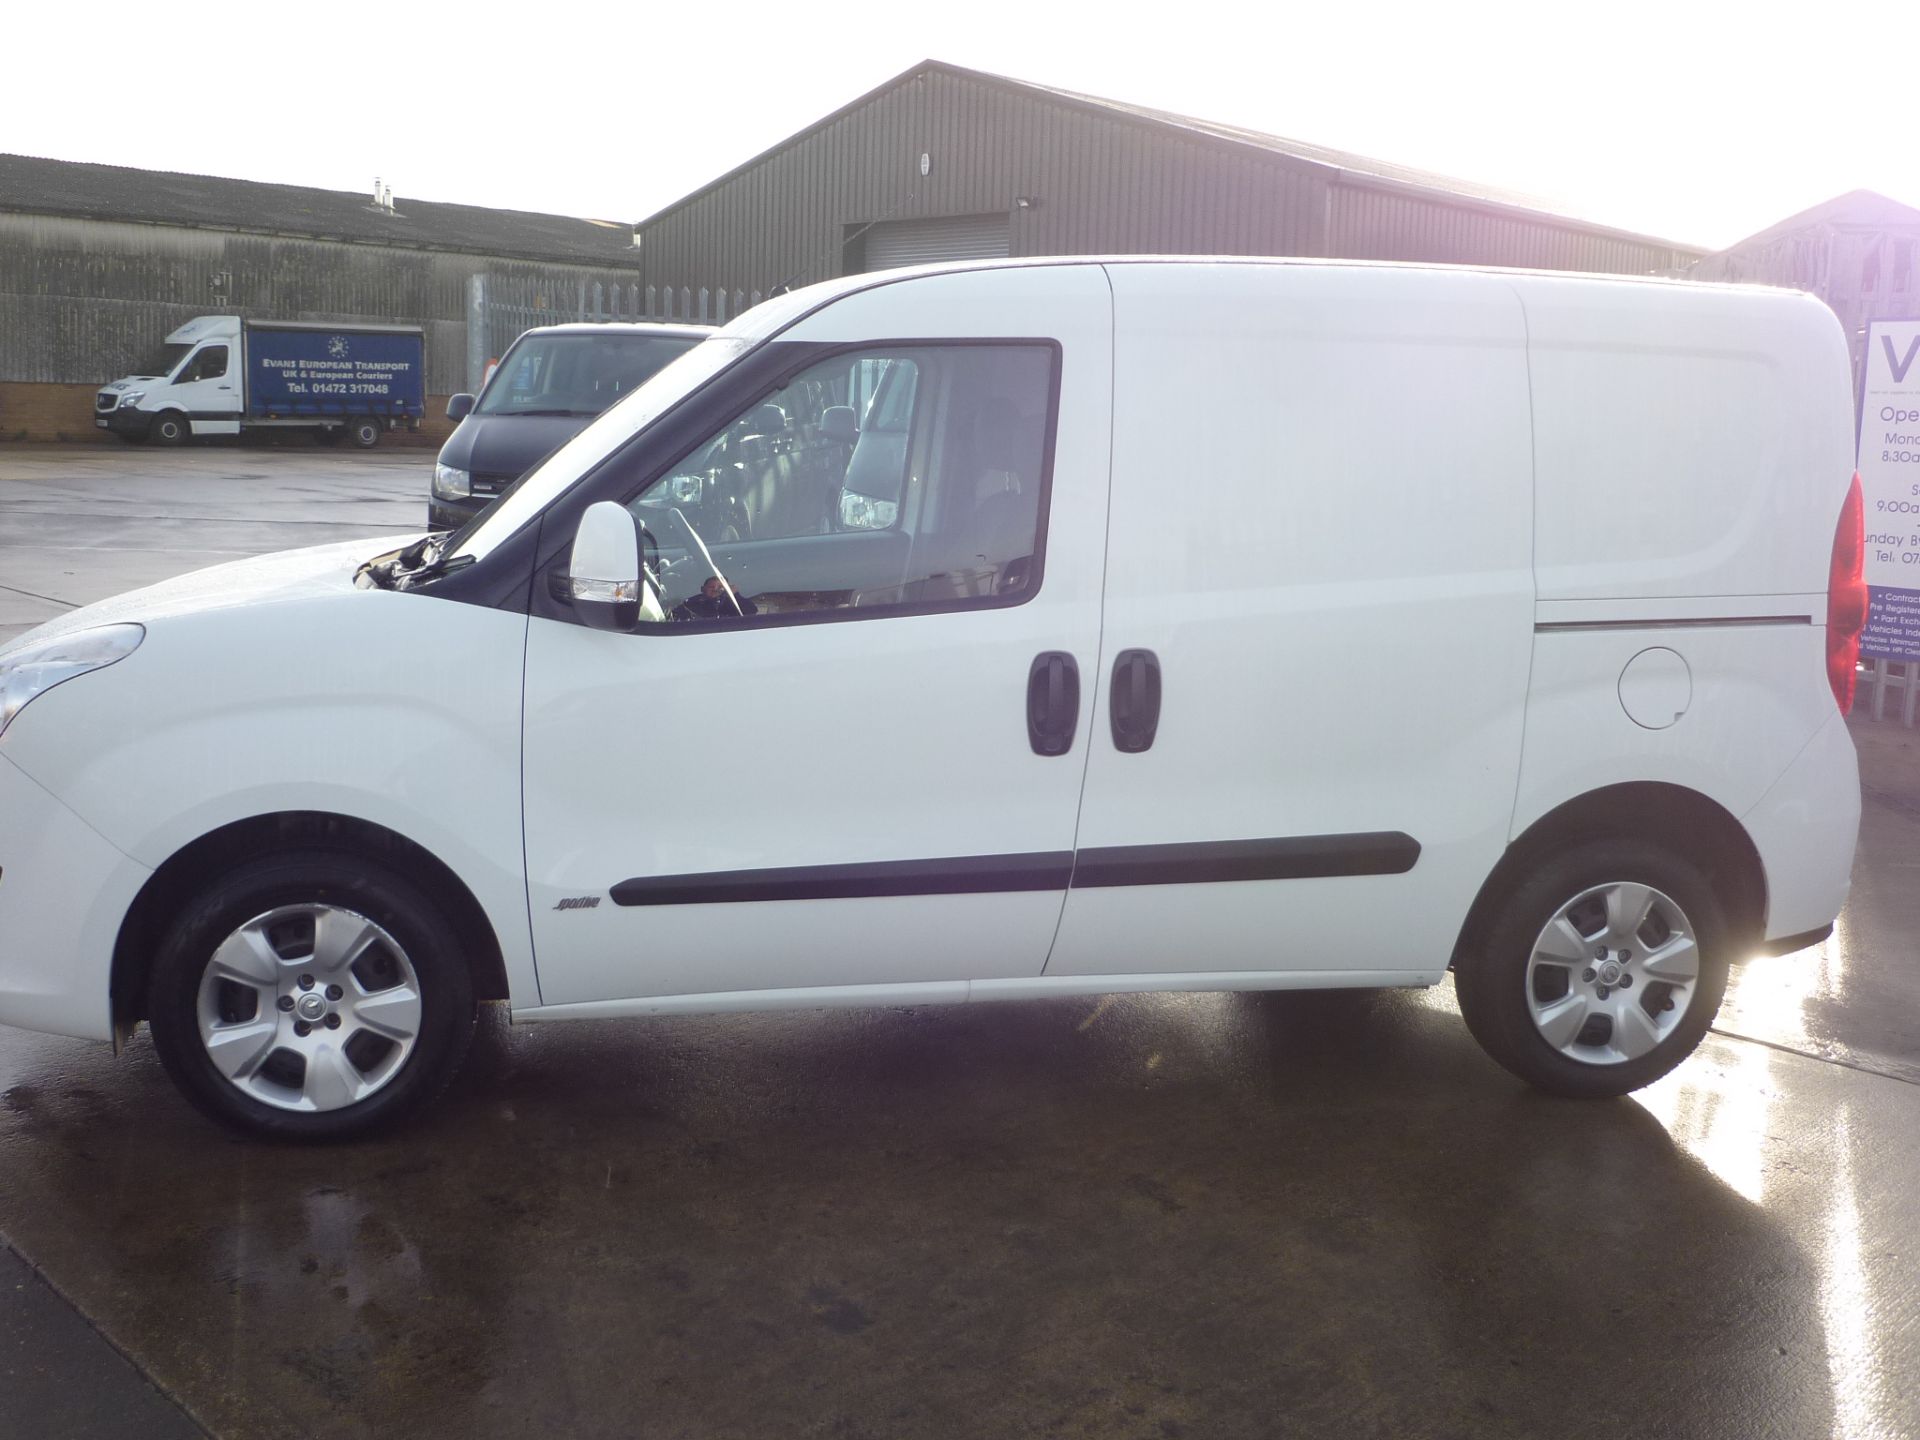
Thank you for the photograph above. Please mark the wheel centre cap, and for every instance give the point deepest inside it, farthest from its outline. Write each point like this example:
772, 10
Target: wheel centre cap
1610, 973
312, 1006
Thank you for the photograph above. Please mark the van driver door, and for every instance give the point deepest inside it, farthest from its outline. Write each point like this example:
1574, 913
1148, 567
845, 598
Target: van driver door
208, 389
848, 751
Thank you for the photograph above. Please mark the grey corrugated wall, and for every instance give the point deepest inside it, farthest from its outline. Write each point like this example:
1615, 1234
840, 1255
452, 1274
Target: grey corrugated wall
83, 300
1375, 223
1100, 187
1101, 183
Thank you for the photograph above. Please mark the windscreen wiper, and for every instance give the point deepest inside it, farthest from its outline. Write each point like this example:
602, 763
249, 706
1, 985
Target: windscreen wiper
434, 569
385, 571
423, 560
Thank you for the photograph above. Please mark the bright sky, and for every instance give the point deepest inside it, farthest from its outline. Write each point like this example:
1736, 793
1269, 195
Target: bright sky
1701, 124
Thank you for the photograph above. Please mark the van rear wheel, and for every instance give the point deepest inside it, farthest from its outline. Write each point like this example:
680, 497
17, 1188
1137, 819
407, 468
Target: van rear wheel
365, 430
310, 996
1601, 971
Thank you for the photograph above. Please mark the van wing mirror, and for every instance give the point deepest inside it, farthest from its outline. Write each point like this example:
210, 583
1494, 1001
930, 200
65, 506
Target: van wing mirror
603, 576
459, 406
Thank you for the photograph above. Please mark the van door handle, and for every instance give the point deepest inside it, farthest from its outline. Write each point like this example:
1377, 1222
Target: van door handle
1135, 705
1053, 702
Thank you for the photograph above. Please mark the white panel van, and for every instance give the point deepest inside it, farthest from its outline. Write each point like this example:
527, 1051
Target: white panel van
977, 632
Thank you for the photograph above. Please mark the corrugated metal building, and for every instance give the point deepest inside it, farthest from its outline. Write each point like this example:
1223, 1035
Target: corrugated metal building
99, 262
1859, 252
946, 163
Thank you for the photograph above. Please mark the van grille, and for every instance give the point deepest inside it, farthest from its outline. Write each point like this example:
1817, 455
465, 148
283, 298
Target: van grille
106, 400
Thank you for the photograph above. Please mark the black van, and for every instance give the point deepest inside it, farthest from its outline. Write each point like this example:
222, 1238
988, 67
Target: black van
545, 390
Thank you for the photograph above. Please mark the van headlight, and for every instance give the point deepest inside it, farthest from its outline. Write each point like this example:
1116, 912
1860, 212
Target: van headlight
451, 484
35, 669
132, 398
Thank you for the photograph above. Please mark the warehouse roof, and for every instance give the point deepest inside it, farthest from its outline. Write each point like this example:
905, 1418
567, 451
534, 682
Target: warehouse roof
1866, 208
1352, 167
35, 186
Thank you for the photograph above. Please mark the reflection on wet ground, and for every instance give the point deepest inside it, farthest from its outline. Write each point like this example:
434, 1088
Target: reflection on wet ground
1856, 998
1168, 1215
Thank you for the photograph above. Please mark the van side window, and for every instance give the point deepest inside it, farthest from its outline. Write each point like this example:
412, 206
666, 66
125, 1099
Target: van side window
875, 482
209, 364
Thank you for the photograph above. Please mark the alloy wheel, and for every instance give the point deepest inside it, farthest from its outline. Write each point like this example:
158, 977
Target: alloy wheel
309, 1008
1612, 973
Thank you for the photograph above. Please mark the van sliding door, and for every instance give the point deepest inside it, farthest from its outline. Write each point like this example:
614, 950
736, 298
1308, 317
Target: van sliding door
1317, 624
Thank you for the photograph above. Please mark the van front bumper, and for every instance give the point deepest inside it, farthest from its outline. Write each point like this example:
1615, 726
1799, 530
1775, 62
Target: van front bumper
125, 421
63, 893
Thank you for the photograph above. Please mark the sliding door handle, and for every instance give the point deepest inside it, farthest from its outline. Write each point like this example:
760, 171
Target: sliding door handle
1053, 702
1134, 706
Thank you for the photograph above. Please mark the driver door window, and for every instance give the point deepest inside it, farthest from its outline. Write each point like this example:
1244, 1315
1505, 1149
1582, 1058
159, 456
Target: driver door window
879, 482
209, 364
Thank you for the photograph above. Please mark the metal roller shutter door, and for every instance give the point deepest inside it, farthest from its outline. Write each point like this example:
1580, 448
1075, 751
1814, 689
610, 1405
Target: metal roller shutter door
893, 243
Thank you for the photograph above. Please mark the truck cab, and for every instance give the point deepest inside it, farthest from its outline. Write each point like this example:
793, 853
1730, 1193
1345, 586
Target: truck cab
190, 386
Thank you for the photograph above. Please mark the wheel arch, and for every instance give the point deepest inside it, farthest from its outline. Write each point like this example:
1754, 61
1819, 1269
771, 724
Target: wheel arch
188, 869
1699, 827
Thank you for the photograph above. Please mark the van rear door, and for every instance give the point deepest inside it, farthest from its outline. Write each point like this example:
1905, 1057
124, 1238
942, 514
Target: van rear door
1319, 586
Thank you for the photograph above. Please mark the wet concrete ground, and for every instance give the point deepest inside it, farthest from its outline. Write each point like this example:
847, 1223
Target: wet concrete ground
80, 523
1155, 1216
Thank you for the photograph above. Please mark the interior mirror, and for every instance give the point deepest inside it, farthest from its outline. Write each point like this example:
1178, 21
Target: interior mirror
603, 577
459, 406
837, 423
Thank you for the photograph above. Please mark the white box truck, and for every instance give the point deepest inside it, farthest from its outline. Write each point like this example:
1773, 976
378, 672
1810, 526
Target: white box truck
220, 375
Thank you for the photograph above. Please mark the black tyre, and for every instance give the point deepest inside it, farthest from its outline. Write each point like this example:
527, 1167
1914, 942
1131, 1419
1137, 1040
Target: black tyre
1601, 970
312, 995
365, 430
169, 427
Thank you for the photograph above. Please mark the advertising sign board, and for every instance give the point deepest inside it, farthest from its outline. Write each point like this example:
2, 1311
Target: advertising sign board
1890, 481
336, 372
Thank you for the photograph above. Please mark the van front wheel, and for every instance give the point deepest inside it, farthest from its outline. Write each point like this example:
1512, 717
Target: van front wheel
1600, 972
311, 996
365, 430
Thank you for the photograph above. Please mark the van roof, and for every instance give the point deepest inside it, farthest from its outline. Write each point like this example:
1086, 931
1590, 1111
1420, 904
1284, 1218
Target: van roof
622, 327
782, 310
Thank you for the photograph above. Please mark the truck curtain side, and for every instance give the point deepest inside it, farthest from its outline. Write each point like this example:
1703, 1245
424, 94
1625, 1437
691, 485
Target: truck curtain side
326, 372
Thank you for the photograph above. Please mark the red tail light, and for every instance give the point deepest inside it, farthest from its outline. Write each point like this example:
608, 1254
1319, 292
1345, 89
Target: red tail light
1847, 597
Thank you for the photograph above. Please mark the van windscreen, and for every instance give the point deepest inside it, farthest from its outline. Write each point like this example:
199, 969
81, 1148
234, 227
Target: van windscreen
577, 375
162, 360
